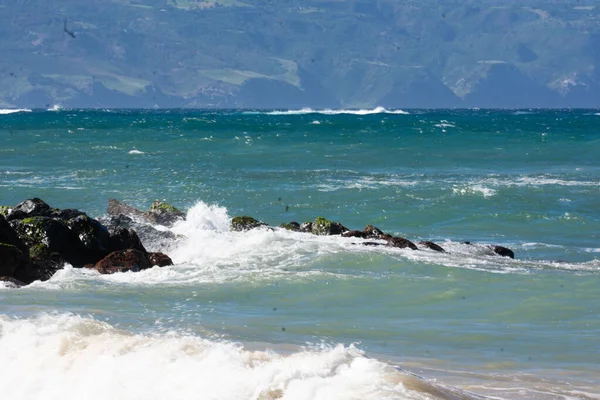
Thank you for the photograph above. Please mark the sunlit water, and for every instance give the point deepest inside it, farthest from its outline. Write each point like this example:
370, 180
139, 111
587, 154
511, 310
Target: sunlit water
272, 314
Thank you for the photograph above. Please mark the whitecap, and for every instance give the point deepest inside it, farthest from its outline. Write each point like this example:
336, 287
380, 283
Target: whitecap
13, 111
136, 152
303, 111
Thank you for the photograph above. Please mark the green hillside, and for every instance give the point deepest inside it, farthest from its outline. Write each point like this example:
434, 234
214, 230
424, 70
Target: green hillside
292, 53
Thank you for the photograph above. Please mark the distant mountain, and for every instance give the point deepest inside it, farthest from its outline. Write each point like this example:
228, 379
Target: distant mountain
300, 53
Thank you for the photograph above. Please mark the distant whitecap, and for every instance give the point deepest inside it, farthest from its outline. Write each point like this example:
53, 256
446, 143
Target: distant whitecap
136, 152
13, 111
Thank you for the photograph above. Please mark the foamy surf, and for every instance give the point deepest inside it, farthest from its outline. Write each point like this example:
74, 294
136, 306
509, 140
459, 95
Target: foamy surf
70, 357
303, 111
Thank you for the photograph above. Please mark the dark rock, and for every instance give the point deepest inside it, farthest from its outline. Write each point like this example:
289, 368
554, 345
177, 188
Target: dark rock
401, 243
123, 261
165, 214
44, 235
432, 246
373, 232
152, 238
11, 282
245, 223
292, 226
92, 235
9, 236
503, 251
4, 210
324, 227
42, 266
372, 244
160, 259
11, 259
66, 214
306, 227
358, 234
29, 208
124, 239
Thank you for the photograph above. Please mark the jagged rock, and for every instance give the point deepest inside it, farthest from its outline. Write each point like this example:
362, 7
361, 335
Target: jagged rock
124, 239
401, 243
291, 226
115, 207
503, 251
11, 259
11, 282
160, 259
245, 223
432, 246
4, 210
306, 227
373, 232
29, 208
152, 238
323, 227
358, 234
123, 261
165, 214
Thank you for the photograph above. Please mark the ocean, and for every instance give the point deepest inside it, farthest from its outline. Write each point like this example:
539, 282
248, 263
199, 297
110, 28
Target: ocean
274, 314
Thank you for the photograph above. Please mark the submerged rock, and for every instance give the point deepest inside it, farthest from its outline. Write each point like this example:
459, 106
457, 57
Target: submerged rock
324, 227
159, 259
11, 282
432, 246
401, 243
373, 232
358, 234
245, 223
503, 251
306, 227
291, 226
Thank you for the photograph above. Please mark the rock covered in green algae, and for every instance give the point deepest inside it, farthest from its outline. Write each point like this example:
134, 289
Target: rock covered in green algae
291, 226
245, 223
323, 227
165, 214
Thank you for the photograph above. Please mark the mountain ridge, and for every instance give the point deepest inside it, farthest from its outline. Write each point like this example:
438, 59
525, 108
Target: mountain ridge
291, 54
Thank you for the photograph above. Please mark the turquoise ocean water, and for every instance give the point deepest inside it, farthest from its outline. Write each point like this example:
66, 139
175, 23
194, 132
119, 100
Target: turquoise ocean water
272, 314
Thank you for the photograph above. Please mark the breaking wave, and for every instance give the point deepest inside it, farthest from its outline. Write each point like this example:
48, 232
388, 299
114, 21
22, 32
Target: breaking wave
303, 111
13, 111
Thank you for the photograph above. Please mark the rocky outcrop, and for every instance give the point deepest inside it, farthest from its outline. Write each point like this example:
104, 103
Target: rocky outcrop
36, 240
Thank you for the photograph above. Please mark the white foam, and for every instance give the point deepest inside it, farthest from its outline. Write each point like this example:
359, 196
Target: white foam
71, 357
377, 110
13, 111
136, 152
56, 107
474, 189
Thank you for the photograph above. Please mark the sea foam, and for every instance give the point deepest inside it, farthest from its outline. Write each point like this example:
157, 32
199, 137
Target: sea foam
71, 357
